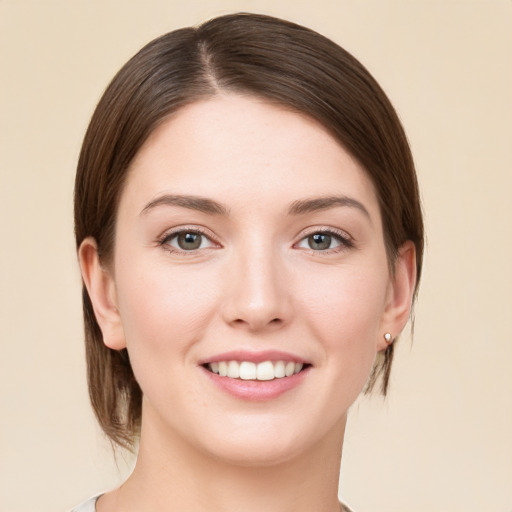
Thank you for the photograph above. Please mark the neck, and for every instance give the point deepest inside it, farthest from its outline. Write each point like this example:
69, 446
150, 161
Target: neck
171, 475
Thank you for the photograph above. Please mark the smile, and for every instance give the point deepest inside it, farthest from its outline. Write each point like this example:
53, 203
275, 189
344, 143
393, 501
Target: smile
248, 370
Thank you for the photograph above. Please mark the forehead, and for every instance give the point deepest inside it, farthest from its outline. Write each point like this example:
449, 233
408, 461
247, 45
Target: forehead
233, 147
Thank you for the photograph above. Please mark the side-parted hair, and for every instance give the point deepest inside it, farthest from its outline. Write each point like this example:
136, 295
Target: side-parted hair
256, 55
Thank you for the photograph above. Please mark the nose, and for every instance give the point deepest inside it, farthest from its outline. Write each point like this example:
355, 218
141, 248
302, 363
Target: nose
258, 295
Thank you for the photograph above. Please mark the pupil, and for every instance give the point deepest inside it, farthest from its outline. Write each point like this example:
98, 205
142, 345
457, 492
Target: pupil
189, 241
319, 241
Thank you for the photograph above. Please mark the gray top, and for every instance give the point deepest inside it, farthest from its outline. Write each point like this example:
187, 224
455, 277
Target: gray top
87, 506
90, 506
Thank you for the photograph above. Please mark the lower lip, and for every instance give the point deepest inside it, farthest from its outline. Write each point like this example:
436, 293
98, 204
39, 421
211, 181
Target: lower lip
257, 390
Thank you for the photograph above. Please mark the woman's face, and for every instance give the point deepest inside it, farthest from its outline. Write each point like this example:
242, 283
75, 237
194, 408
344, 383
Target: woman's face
246, 233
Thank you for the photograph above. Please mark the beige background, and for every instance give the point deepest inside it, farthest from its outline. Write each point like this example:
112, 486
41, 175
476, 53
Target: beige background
443, 440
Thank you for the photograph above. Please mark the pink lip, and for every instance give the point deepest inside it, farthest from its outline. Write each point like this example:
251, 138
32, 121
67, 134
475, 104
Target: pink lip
256, 390
254, 357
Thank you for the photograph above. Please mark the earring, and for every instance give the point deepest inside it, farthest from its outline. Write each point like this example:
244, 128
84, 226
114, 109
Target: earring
388, 338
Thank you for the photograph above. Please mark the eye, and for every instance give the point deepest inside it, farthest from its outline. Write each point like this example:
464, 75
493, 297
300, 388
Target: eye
324, 241
187, 240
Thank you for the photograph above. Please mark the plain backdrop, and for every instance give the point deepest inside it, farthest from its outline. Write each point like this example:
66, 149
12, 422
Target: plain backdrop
442, 441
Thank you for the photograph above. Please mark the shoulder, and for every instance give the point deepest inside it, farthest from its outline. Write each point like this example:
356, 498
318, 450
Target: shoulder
87, 506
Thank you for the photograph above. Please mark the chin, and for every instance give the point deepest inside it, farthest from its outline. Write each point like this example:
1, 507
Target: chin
260, 452
267, 443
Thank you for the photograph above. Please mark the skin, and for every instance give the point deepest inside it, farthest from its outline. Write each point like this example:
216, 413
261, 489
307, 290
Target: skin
253, 284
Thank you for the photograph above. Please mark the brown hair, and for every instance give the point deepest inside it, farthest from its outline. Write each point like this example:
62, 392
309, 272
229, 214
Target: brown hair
249, 54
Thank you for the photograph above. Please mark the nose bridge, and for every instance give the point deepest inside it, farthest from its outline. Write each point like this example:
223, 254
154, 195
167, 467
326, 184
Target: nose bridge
258, 297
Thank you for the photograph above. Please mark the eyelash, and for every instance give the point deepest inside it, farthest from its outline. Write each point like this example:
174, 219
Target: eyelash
168, 236
344, 240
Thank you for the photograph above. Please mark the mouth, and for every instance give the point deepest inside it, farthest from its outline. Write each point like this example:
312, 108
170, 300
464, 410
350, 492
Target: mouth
263, 371
256, 376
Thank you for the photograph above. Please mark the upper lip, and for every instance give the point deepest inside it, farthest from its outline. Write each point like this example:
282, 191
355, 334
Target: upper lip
254, 357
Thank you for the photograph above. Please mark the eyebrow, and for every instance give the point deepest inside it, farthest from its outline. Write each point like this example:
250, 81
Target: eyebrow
302, 206
299, 207
198, 203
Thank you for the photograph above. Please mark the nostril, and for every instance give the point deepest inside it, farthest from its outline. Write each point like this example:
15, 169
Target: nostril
256, 324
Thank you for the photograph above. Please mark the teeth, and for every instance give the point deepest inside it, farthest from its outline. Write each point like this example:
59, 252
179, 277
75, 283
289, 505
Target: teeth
246, 370
279, 371
233, 370
265, 371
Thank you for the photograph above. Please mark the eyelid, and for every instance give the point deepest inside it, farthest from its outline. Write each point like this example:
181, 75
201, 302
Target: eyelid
175, 231
345, 239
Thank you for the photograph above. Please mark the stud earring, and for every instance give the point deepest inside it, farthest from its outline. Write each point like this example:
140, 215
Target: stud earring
388, 338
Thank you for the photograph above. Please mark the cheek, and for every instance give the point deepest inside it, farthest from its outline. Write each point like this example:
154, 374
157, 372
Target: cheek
347, 304
345, 310
164, 312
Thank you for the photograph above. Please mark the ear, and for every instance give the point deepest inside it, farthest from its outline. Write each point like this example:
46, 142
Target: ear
100, 285
400, 294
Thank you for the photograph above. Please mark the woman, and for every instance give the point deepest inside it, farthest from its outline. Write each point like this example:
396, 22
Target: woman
250, 237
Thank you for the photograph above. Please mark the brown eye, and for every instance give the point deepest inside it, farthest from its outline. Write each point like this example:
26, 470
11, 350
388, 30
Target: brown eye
319, 241
188, 241
326, 240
